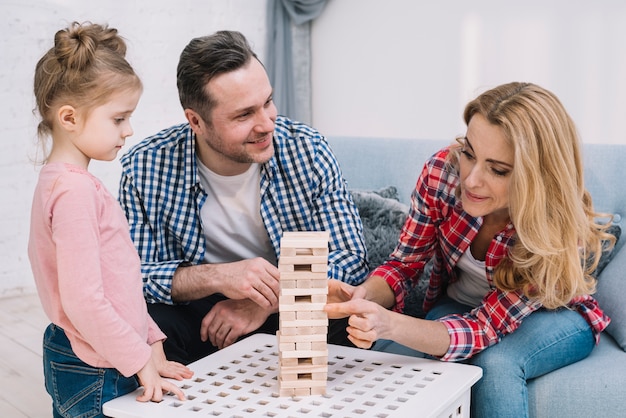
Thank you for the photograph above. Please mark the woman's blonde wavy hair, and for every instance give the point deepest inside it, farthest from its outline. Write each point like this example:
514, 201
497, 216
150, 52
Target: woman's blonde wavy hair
559, 240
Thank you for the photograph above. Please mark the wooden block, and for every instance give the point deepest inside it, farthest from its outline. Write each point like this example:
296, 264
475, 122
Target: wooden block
318, 283
288, 362
288, 315
317, 345
319, 268
303, 345
287, 284
307, 368
302, 383
283, 307
303, 275
303, 325
310, 315
302, 291
295, 338
303, 260
288, 331
304, 354
286, 391
319, 298
305, 239
318, 390
289, 346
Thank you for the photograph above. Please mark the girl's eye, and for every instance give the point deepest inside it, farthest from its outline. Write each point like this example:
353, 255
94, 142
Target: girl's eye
119, 120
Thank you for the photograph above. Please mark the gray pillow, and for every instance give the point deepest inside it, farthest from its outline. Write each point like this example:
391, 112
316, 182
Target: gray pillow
383, 217
610, 295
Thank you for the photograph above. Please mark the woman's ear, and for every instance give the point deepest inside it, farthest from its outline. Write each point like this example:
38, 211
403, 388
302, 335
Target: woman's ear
67, 118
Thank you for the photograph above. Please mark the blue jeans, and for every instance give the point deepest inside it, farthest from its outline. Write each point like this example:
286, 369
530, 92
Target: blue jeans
78, 390
545, 341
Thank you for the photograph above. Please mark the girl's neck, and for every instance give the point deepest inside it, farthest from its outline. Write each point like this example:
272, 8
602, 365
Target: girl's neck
68, 156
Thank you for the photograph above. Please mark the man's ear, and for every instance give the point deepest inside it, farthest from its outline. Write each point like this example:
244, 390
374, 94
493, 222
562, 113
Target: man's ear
195, 121
67, 117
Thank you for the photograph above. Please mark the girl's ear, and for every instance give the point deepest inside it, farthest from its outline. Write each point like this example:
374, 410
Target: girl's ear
67, 118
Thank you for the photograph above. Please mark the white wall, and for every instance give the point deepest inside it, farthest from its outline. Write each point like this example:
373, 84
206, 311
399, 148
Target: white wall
394, 68
156, 32
406, 68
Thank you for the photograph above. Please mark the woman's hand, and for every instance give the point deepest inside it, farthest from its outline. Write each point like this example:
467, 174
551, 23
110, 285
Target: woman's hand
368, 321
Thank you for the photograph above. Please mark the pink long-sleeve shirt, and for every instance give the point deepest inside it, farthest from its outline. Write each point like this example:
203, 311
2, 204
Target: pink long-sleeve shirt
87, 270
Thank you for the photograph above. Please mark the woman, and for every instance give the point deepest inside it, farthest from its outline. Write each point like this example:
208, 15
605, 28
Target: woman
513, 237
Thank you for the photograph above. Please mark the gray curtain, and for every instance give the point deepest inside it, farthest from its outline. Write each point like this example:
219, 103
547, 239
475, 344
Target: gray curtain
288, 59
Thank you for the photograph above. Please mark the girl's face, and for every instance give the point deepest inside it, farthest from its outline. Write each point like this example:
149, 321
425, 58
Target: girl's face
106, 127
486, 164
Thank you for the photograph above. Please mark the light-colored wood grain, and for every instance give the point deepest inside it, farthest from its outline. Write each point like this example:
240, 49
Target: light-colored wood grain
22, 323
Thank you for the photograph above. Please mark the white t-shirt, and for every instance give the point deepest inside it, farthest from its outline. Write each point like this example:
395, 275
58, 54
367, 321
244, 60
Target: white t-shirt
231, 217
471, 285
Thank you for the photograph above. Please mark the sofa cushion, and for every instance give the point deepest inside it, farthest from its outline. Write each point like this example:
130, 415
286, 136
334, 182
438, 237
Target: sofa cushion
383, 216
607, 252
610, 295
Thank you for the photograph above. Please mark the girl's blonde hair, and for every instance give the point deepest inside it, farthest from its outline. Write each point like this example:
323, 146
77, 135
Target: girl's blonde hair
83, 69
559, 240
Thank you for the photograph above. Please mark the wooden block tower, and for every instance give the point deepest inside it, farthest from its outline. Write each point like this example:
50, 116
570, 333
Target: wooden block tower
303, 324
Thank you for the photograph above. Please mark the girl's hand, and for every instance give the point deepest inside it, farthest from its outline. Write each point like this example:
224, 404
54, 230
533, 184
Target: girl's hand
154, 385
166, 368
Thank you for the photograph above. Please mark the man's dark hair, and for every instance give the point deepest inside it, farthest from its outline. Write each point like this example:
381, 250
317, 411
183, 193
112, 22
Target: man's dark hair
205, 58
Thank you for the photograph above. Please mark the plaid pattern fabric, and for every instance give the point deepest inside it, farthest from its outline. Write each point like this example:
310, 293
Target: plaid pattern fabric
302, 189
438, 228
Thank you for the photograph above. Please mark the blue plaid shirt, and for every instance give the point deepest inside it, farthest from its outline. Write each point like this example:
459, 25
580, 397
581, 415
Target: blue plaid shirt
302, 189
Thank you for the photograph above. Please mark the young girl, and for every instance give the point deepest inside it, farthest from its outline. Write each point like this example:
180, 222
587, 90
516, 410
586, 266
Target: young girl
85, 266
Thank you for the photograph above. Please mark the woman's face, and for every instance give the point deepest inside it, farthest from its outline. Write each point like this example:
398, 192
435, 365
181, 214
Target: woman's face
486, 164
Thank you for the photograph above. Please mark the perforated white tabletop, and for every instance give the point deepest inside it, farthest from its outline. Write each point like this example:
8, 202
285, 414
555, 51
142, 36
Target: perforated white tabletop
241, 381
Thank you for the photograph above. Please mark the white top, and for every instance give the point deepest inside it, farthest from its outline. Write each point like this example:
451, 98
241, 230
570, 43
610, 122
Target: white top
472, 285
231, 217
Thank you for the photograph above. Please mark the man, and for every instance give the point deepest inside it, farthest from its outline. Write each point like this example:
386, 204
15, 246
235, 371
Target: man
208, 201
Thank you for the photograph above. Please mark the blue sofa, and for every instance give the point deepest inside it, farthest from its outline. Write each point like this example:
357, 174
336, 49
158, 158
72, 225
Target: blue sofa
594, 387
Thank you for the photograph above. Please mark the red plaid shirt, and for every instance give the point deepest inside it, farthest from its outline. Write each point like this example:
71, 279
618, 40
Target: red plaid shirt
438, 228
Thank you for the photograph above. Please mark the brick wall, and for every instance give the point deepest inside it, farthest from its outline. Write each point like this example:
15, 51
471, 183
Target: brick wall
156, 32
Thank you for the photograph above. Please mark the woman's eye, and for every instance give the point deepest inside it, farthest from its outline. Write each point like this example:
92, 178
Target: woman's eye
467, 154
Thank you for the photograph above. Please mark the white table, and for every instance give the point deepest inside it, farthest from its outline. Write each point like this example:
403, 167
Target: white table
240, 381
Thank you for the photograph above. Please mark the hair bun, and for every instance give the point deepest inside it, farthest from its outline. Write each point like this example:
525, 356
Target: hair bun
76, 46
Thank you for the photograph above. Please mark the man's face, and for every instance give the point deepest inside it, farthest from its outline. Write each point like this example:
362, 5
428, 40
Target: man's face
242, 121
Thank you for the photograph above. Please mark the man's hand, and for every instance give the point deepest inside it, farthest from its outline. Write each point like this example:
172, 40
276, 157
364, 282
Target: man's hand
231, 319
255, 279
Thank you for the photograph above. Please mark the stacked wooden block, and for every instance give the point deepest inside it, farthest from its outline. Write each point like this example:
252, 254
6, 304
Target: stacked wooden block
303, 324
